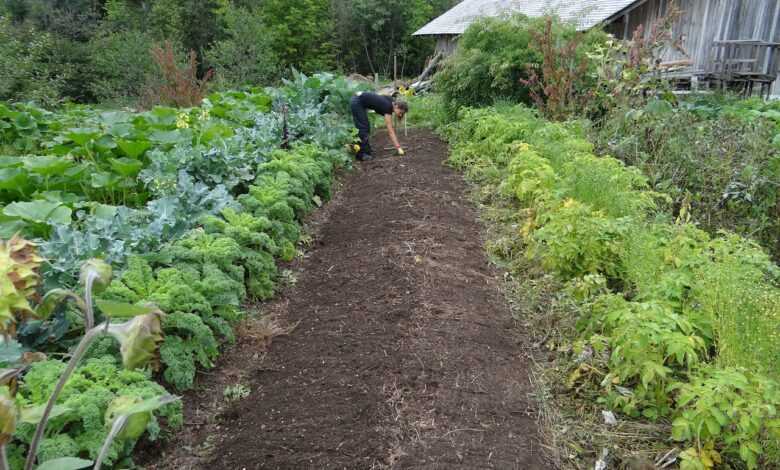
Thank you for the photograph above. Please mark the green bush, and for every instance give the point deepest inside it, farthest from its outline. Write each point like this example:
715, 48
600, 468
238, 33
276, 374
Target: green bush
482, 139
122, 65
28, 70
489, 63
300, 32
575, 240
493, 57
726, 168
652, 347
736, 403
607, 185
244, 56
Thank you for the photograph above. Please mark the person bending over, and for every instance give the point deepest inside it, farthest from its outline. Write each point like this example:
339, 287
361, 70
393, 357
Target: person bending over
380, 104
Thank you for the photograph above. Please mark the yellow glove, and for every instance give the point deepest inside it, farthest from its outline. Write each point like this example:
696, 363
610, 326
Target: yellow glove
401, 152
356, 148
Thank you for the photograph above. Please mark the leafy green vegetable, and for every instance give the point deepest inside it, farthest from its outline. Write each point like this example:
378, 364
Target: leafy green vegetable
87, 395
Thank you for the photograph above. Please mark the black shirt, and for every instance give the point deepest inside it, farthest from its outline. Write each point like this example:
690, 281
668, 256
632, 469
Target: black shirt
378, 103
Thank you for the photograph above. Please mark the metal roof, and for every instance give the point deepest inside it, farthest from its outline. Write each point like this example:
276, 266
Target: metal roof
584, 13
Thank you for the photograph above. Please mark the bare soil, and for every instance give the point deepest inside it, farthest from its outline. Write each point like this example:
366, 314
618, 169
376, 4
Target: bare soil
401, 352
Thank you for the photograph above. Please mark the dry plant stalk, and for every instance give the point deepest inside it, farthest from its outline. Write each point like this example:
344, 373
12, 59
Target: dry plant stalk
555, 90
643, 48
179, 86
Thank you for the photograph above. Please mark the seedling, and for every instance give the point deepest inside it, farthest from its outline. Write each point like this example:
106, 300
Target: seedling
236, 392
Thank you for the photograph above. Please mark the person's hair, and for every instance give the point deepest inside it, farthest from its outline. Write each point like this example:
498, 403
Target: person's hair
402, 105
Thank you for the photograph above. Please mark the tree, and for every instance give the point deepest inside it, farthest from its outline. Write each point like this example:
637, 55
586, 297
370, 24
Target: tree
245, 55
301, 33
200, 24
371, 34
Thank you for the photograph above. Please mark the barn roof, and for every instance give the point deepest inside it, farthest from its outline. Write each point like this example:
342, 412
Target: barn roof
585, 13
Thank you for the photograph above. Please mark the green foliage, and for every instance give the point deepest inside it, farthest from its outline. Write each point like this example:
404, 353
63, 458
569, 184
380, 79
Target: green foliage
671, 317
86, 397
86, 51
604, 183
494, 55
193, 300
721, 162
28, 67
299, 31
244, 56
426, 111
169, 288
576, 240
732, 408
368, 34
189, 343
738, 290
122, 65
482, 139
651, 346
258, 248
489, 63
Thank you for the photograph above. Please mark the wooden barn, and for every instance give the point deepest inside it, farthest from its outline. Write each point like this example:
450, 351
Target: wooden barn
732, 43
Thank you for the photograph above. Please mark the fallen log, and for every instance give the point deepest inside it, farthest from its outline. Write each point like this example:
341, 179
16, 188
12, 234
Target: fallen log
429, 69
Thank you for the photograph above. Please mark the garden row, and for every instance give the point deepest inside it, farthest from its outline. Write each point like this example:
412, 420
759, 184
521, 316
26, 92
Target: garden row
674, 325
190, 209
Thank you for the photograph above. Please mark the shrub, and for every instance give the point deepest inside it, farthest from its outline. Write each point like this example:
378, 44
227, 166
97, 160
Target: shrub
575, 240
122, 65
651, 347
727, 411
607, 185
496, 57
28, 70
245, 56
726, 168
489, 63
481, 138
560, 85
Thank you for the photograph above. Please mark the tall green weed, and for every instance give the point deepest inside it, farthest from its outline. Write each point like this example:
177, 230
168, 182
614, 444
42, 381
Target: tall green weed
725, 165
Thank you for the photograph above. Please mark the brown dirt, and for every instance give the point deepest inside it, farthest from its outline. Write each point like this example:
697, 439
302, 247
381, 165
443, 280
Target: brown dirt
404, 355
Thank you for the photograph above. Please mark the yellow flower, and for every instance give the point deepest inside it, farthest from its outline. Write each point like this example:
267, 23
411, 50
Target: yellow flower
182, 121
569, 203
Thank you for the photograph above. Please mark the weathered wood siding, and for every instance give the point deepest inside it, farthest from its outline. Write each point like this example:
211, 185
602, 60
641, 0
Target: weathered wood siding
446, 43
702, 23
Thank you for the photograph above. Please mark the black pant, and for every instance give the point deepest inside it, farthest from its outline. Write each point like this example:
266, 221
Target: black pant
360, 115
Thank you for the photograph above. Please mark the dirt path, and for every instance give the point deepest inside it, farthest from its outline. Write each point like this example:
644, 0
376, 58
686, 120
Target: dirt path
405, 355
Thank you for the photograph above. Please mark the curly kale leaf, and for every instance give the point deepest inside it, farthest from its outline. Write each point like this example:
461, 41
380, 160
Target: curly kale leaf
188, 341
261, 274
86, 398
169, 288
198, 248
220, 288
243, 227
